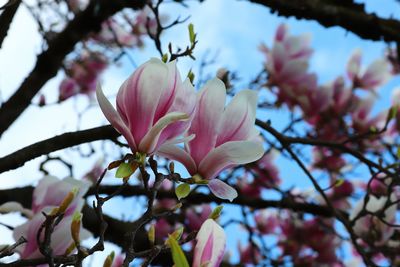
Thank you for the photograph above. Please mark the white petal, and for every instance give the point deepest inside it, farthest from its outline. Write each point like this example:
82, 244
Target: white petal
222, 190
229, 154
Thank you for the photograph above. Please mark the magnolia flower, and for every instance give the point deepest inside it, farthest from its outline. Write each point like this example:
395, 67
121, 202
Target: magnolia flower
113, 33
153, 106
210, 246
371, 227
223, 137
376, 74
83, 74
48, 195
287, 65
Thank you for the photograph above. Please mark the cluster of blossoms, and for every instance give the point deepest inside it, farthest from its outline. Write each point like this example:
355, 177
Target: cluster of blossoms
84, 71
49, 197
82, 75
334, 110
215, 137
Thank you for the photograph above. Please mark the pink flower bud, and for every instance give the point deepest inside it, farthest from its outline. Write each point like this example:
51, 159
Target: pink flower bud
210, 246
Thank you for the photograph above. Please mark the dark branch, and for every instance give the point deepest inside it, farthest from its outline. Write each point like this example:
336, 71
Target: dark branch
18, 158
49, 62
6, 18
346, 14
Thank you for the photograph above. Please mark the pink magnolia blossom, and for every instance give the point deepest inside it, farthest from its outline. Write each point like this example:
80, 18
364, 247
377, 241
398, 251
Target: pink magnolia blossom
210, 245
197, 215
266, 172
223, 137
48, 195
287, 65
112, 33
266, 221
82, 75
154, 107
375, 75
371, 227
250, 254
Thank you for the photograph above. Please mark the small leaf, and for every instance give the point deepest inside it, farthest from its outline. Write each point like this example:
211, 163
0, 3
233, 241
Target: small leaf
178, 256
191, 76
398, 152
177, 234
114, 164
339, 182
192, 35
216, 212
152, 234
182, 191
393, 112
124, 170
165, 58
109, 260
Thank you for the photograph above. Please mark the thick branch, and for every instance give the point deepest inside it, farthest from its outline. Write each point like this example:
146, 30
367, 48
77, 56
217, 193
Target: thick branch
18, 158
6, 18
346, 14
49, 62
23, 195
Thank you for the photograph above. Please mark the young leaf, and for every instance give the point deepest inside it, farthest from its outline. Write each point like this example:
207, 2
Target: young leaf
124, 170
216, 212
178, 256
182, 191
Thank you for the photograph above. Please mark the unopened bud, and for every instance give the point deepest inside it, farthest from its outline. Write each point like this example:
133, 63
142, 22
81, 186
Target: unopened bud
66, 202
152, 234
109, 260
76, 227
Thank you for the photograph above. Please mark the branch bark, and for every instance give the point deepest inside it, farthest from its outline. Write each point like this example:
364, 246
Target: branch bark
6, 18
20, 157
346, 14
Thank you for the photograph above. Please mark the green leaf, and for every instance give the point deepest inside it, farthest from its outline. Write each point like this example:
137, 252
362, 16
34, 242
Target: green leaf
393, 112
398, 152
216, 212
192, 35
177, 234
124, 170
178, 256
339, 182
182, 191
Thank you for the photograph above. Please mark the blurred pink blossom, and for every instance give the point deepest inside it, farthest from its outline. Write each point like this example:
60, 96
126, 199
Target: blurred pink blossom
49, 194
375, 75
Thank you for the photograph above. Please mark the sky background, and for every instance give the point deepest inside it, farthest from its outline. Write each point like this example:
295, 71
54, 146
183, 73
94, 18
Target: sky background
232, 29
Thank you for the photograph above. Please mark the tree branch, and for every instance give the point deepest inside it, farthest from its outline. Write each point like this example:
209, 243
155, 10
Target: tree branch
49, 62
6, 18
346, 14
20, 157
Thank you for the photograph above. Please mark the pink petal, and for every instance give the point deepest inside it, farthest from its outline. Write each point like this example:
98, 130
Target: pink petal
176, 153
185, 101
206, 121
353, 66
114, 118
376, 74
150, 140
229, 154
281, 33
139, 97
243, 109
222, 190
